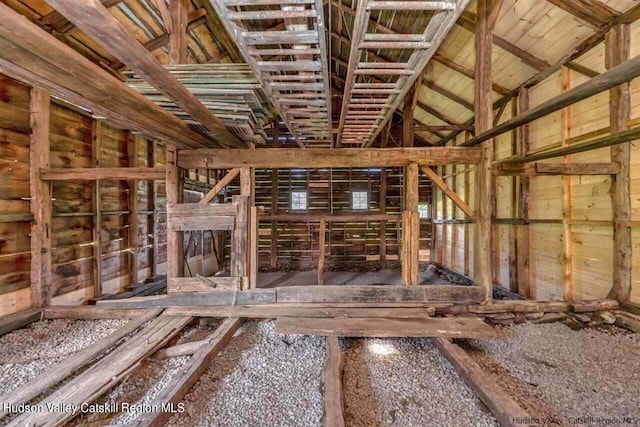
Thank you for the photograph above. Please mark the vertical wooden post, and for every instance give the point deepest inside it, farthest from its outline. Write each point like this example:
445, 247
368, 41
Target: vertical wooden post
39, 147
96, 206
132, 152
178, 32
523, 264
253, 251
483, 107
321, 251
617, 46
410, 228
239, 240
152, 228
247, 189
274, 199
566, 195
407, 118
175, 242
383, 200
513, 229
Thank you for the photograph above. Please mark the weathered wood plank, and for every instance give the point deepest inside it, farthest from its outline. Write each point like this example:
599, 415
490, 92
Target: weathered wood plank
325, 157
213, 298
92, 174
272, 311
180, 385
501, 404
91, 312
18, 320
205, 284
106, 373
467, 327
333, 396
59, 372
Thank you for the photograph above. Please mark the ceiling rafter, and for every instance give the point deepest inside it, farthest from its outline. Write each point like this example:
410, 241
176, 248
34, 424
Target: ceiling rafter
591, 12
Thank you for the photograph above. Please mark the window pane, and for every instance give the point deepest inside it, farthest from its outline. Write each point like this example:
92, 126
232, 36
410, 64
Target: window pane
423, 210
359, 200
298, 200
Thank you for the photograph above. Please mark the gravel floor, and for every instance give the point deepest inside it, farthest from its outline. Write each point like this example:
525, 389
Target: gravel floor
31, 350
562, 374
260, 379
406, 382
144, 383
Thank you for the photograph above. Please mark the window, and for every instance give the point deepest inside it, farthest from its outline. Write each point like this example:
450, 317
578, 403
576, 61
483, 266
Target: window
298, 200
360, 200
423, 210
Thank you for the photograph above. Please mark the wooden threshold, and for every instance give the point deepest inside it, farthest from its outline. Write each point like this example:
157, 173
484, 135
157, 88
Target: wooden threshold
387, 328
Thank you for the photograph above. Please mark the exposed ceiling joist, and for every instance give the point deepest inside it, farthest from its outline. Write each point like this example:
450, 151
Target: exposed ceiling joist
96, 21
56, 22
591, 12
30, 54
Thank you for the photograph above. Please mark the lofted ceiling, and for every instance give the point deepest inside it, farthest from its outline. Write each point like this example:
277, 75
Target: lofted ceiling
530, 38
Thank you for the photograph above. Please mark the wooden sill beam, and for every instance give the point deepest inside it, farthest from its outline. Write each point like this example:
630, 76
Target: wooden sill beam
96, 21
448, 191
540, 169
333, 400
620, 74
30, 54
500, 403
605, 141
93, 174
317, 217
325, 157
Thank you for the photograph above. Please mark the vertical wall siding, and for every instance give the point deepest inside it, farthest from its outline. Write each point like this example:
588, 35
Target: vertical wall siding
14, 197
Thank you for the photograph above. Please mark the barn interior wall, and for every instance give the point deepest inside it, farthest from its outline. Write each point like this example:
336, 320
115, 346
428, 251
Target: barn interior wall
73, 263
589, 228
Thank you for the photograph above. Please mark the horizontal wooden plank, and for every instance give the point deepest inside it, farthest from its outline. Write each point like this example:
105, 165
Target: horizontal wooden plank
272, 311
92, 174
198, 223
441, 327
195, 284
18, 320
311, 217
325, 157
380, 293
213, 298
91, 312
534, 169
197, 209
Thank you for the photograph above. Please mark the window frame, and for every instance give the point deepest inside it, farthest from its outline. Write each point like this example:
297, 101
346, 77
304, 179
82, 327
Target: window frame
428, 211
306, 200
353, 193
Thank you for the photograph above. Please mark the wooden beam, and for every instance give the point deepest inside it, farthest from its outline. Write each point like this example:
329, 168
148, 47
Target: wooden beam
178, 387
96, 21
605, 141
175, 242
410, 228
57, 23
500, 403
339, 217
71, 364
567, 237
621, 73
333, 394
591, 12
452, 96
321, 250
98, 173
18, 320
617, 47
325, 157
483, 121
105, 373
329, 293
178, 31
41, 280
469, 73
220, 185
31, 55
433, 176
133, 217
272, 311
552, 169
431, 327
96, 206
